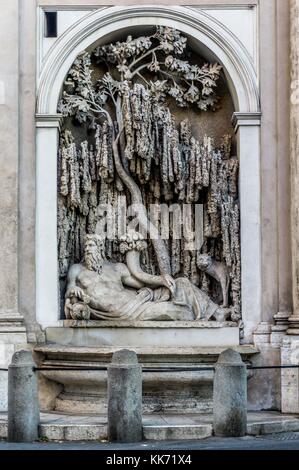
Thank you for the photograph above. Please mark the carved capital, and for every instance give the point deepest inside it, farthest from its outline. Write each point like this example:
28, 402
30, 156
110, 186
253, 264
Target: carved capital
246, 119
49, 120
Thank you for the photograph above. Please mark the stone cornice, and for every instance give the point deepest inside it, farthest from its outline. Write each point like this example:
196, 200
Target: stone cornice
10, 317
12, 323
246, 119
48, 120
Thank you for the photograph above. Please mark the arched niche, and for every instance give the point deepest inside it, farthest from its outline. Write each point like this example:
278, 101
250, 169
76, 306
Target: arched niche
213, 41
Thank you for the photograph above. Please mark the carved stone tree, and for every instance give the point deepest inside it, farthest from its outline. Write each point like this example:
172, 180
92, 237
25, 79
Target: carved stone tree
129, 143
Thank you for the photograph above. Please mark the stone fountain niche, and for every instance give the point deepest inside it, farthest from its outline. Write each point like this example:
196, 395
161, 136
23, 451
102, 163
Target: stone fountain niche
160, 135
176, 148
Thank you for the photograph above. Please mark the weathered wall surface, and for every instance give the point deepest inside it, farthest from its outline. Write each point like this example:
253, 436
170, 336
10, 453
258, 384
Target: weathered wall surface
27, 94
12, 334
9, 122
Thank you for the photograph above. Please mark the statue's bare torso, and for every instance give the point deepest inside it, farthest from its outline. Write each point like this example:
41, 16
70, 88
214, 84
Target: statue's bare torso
106, 289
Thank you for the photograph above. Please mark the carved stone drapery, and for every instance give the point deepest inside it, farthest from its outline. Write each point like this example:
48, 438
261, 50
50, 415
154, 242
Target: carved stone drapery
294, 141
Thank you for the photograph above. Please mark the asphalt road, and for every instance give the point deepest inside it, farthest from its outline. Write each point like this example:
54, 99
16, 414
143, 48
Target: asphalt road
285, 441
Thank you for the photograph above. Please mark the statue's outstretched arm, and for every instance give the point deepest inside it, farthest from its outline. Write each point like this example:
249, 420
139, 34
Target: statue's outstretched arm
132, 245
150, 280
130, 281
133, 263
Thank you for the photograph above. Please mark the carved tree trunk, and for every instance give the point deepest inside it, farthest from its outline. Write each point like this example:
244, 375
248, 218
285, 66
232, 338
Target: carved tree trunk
136, 196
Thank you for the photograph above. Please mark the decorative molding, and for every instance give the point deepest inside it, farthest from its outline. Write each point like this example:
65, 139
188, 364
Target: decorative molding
81, 4
262, 334
94, 6
234, 57
58, 7
279, 330
246, 119
227, 6
12, 323
6, 317
48, 120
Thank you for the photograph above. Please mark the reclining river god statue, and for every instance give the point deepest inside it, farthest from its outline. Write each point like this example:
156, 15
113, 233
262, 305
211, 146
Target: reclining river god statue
102, 290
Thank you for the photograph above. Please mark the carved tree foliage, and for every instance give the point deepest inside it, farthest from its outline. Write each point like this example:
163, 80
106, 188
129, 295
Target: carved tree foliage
120, 94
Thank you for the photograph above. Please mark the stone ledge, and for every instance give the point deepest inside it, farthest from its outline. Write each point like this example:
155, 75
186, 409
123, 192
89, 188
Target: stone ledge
11, 317
56, 351
73, 432
145, 334
273, 427
12, 323
12, 328
168, 432
147, 324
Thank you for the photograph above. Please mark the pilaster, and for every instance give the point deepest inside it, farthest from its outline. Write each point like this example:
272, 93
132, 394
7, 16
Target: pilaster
290, 347
247, 128
47, 293
12, 330
294, 140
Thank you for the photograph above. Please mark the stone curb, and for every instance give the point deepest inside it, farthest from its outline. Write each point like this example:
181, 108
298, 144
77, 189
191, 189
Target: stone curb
257, 429
94, 432
177, 432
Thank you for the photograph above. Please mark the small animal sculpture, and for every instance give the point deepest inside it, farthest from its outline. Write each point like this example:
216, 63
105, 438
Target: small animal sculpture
218, 271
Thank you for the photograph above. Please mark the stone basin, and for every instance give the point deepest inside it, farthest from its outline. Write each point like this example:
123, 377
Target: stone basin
88, 344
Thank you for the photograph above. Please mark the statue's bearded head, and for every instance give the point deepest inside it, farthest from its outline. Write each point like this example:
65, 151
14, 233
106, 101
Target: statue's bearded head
94, 253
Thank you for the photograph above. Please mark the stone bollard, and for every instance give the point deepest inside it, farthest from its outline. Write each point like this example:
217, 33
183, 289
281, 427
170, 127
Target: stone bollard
23, 405
230, 396
124, 397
